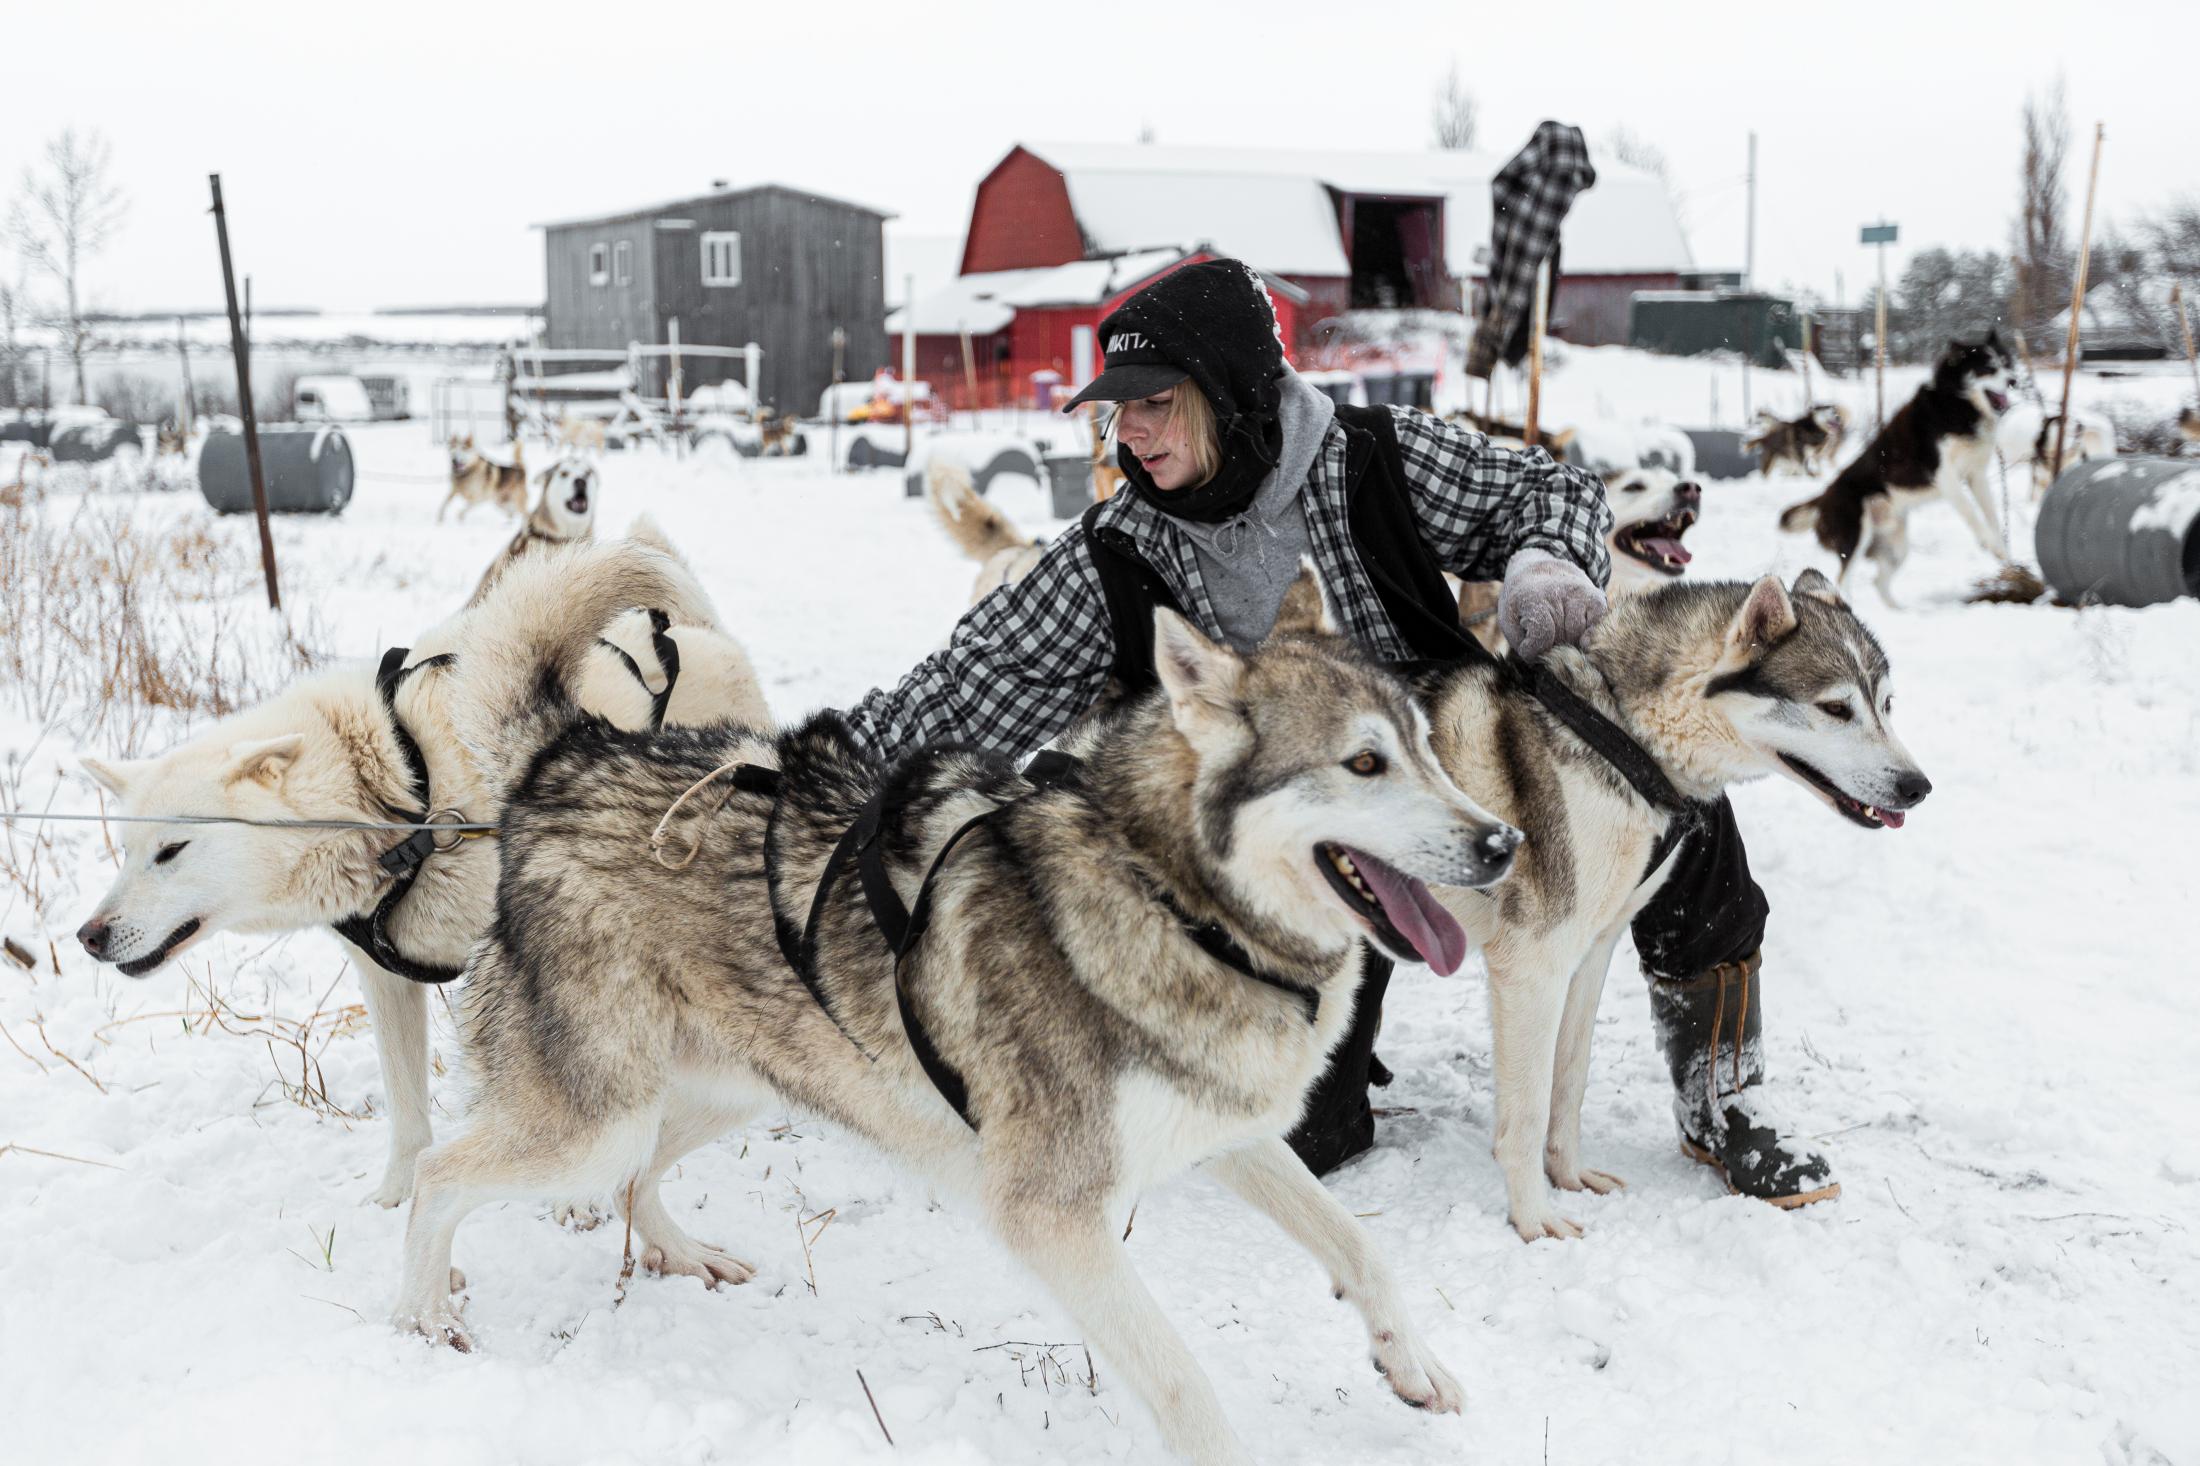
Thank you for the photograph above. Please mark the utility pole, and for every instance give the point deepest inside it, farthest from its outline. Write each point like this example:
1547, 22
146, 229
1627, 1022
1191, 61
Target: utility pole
1749, 277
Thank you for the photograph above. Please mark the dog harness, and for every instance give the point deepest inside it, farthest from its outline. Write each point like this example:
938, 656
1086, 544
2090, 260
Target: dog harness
1616, 747
668, 657
370, 931
903, 927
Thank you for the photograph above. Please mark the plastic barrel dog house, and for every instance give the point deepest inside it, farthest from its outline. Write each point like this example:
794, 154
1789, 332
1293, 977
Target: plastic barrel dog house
2122, 531
308, 471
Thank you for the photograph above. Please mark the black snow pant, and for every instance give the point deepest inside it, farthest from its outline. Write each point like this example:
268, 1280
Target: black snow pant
1708, 912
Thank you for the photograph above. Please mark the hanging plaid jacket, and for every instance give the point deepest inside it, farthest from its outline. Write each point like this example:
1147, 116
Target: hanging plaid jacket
1529, 198
1029, 658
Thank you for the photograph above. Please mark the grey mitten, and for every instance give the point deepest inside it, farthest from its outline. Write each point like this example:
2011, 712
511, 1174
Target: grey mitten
1546, 601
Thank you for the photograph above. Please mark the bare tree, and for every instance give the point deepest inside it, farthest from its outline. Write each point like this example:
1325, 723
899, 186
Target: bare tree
15, 309
68, 211
1625, 145
1453, 114
2040, 235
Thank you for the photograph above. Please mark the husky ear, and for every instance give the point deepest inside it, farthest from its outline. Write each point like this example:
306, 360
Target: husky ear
1765, 617
1198, 674
1811, 583
265, 760
113, 777
1305, 610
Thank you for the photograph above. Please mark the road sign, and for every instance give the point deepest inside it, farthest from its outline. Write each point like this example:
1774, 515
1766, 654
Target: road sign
1878, 234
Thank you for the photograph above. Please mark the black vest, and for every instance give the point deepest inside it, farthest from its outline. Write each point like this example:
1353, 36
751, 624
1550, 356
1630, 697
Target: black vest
1409, 581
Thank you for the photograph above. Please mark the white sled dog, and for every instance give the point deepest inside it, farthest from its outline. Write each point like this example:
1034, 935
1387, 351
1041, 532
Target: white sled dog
1717, 683
1005, 553
564, 514
1136, 968
1652, 511
329, 748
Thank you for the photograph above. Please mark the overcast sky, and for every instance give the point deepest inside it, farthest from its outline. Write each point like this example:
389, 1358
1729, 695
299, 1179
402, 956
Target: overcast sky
395, 154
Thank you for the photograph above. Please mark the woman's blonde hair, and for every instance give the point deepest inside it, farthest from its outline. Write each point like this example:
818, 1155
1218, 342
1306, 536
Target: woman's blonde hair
1192, 417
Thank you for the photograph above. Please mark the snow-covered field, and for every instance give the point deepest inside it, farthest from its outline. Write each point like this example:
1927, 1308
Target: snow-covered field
1986, 1018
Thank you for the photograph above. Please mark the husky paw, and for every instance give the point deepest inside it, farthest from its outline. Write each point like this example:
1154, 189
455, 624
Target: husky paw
1572, 1176
392, 1192
578, 1216
1415, 1376
438, 1323
698, 1260
1535, 1226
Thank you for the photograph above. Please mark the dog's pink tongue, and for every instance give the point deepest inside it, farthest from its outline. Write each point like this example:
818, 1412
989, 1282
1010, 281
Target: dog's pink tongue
1420, 918
1892, 818
1671, 549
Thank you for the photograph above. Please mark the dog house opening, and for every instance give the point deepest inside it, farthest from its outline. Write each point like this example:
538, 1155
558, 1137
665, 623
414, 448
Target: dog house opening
1396, 252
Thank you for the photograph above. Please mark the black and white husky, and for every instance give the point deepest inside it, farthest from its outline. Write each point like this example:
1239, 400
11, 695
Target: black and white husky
1938, 446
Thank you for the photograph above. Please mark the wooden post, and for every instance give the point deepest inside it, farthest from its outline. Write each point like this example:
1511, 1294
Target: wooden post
1808, 400
2077, 300
244, 399
840, 349
187, 407
2184, 324
908, 368
673, 383
970, 367
1537, 319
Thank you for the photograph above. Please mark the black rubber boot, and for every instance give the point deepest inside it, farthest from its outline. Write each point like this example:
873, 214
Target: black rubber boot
1708, 1026
1339, 1123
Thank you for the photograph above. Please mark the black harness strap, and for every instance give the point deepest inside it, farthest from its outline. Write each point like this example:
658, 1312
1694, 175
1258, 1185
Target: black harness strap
1612, 743
370, 931
903, 927
668, 657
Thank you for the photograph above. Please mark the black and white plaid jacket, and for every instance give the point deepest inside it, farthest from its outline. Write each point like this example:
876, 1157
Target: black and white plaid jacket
1529, 199
1030, 657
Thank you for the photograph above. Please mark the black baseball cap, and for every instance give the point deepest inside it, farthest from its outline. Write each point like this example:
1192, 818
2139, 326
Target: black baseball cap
1131, 367
1209, 322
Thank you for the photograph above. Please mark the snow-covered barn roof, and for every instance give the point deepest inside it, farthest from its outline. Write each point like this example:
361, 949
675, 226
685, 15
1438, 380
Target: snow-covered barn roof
1271, 205
985, 302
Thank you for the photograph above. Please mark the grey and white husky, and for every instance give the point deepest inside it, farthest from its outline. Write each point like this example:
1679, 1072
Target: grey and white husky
1718, 683
1288, 798
326, 749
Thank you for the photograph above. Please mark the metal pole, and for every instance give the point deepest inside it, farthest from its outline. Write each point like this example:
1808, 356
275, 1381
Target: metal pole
1536, 324
244, 399
1879, 342
2077, 301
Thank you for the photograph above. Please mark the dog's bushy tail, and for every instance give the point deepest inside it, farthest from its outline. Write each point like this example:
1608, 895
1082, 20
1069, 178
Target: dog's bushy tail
521, 651
978, 529
1800, 518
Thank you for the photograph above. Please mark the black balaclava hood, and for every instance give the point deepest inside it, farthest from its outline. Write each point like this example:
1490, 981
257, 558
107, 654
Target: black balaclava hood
1213, 320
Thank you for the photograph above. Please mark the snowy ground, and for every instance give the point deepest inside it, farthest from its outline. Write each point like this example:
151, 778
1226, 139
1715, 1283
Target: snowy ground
1981, 1016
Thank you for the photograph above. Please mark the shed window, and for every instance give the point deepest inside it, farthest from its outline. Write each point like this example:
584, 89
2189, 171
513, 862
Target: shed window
599, 264
622, 263
722, 258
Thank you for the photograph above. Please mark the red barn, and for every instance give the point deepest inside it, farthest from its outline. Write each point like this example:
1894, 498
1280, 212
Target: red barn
1332, 232
1043, 318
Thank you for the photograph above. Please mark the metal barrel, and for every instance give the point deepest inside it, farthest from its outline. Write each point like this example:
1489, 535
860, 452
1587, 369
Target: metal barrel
2122, 531
308, 469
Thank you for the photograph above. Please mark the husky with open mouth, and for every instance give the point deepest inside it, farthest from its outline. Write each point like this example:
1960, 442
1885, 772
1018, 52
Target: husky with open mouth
1129, 969
564, 514
1652, 511
1715, 684
1938, 446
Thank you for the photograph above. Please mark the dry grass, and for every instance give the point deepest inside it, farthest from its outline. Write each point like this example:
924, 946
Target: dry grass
110, 629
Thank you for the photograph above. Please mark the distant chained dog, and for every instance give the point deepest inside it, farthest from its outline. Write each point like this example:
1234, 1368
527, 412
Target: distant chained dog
564, 514
1131, 963
1602, 756
1805, 444
477, 479
1938, 446
355, 745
